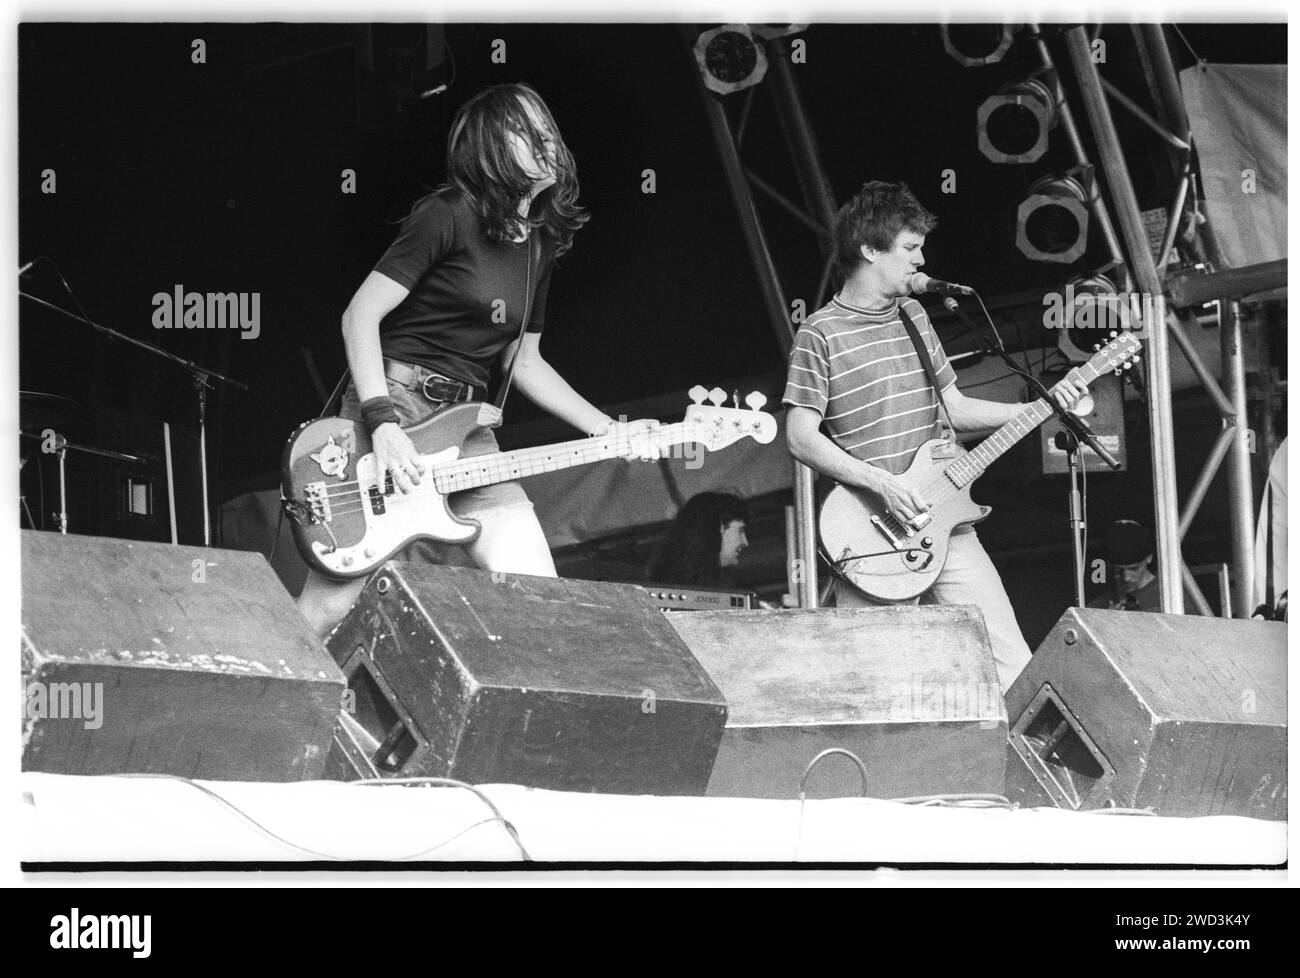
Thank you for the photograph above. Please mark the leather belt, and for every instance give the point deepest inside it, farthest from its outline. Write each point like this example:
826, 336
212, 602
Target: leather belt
422, 380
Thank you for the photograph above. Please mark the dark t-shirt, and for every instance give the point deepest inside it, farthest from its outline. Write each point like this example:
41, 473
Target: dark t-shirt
467, 293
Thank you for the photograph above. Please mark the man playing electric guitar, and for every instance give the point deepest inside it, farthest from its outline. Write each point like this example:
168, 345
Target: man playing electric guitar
855, 369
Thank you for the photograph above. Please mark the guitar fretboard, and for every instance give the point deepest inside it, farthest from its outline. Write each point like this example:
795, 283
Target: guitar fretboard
486, 470
971, 466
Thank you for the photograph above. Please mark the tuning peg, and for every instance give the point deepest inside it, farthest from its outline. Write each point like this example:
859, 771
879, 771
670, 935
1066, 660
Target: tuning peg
1129, 365
697, 394
717, 397
1113, 334
1096, 346
755, 400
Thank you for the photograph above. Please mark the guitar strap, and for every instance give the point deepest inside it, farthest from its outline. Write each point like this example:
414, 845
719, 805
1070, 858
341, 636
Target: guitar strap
500, 400
924, 355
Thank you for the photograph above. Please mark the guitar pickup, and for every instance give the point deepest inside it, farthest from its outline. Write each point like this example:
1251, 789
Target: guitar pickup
318, 501
377, 504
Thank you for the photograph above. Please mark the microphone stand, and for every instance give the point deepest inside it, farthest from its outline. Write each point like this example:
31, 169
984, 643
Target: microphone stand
201, 377
1074, 430
1069, 444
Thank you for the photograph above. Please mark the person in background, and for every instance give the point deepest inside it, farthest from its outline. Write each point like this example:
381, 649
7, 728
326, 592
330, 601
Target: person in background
703, 543
1133, 587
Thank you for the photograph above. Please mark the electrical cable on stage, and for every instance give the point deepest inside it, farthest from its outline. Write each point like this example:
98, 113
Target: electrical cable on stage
258, 826
453, 783
959, 800
231, 806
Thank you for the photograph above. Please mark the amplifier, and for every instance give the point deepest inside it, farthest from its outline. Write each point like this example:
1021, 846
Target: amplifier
674, 597
1106, 420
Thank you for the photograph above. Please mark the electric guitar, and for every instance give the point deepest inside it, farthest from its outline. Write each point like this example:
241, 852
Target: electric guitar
346, 524
893, 560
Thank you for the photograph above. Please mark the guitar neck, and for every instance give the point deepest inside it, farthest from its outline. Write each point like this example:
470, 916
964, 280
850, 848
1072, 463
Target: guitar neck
972, 465
486, 470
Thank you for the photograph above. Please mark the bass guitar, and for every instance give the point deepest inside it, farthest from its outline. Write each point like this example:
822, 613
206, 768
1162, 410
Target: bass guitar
346, 524
894, 560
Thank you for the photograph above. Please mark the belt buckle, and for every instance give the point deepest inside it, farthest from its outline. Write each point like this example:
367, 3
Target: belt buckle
439, 380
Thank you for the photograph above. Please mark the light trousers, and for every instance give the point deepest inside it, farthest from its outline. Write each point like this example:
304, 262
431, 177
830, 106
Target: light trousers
968, 577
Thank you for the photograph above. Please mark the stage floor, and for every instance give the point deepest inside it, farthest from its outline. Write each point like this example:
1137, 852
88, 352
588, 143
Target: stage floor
145, 819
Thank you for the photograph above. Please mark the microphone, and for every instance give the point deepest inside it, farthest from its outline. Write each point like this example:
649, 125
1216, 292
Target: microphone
921, 283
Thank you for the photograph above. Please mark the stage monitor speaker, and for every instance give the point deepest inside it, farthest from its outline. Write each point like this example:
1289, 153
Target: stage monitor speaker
150, 658
912, 691
550, 683
1178, 714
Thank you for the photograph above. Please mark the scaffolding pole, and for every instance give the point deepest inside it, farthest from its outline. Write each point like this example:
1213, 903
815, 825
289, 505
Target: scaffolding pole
769, 282
804, 561
1240, 498
1240, 489
1159, 401
801, 143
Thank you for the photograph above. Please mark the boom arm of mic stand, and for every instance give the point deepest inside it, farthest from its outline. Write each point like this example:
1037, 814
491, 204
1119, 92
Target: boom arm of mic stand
1072, 422
189, 365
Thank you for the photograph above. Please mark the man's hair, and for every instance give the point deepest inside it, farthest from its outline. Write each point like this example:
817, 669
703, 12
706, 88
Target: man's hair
874, 217
481, 166
689, 551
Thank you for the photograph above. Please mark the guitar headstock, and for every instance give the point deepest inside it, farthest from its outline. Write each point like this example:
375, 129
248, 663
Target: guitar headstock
717, 426
1119, 354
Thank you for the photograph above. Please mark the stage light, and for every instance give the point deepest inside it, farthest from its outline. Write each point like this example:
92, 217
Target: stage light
1012, 125
730, 59
1086, 310
976, 45
1052, 222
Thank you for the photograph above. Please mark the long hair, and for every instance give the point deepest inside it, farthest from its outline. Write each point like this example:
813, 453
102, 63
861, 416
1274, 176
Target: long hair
481, 165
874, 216
688, 552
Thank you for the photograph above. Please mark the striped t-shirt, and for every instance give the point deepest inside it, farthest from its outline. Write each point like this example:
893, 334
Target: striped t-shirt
859, 370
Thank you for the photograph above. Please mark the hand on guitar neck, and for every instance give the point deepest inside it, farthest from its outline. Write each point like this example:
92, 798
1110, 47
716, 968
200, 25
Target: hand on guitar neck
640, 435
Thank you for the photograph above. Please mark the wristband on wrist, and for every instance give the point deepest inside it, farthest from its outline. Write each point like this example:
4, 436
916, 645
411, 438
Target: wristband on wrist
377, 411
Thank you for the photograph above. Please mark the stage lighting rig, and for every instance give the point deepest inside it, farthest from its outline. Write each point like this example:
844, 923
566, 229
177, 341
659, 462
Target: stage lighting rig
1052, 222
730, 58
976, 45
1012, 124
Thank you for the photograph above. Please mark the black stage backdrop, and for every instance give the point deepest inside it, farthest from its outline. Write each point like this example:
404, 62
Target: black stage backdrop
227, 176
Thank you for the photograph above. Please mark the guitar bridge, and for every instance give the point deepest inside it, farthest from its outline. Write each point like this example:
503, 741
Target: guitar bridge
317, 502
897, 531
892, 529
